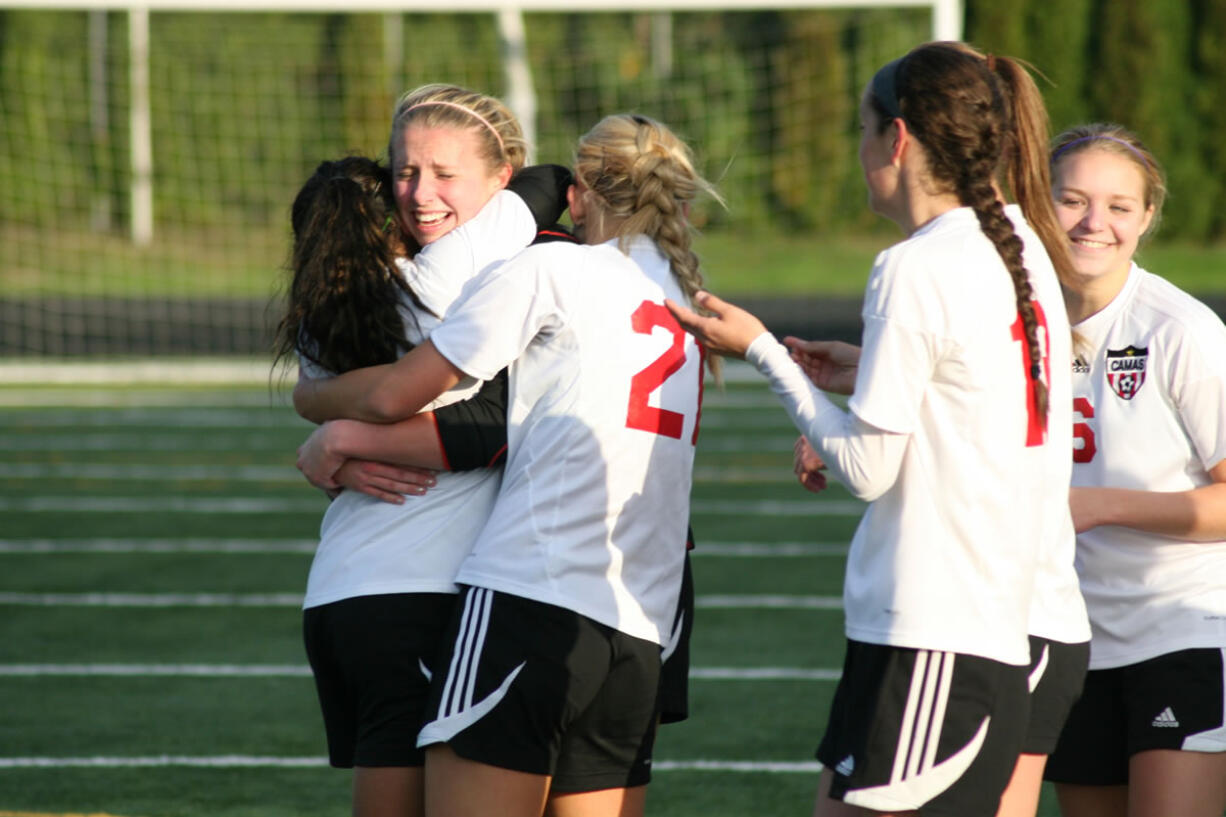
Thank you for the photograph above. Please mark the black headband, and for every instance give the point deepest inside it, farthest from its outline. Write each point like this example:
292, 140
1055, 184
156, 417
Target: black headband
884, 86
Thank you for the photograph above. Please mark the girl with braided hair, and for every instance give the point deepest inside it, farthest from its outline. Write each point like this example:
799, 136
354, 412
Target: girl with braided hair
1148, 736
957, 433
547, 696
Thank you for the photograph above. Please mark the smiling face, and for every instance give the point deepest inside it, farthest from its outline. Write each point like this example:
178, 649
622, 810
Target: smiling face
441, 180
1101, 204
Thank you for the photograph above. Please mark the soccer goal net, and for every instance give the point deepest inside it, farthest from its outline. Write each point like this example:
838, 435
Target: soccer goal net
149, 155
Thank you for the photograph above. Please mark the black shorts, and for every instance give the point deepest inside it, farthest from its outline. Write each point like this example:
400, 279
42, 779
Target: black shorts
372, 657
541, 689
1057, 671
917, 728
1173, 701
675, 673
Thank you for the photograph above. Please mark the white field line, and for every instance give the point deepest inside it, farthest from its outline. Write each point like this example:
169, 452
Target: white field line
249, 761
196, 370
25, 397
151, 599
158, 371
237, 546
778, 507
104, 545
769, 602
177, 473
315, 503
739, 412
759, 419
768, 549
303, 671
264, 439
720, 474
157, 670
142, 441
185, 417
725, 602
287, 473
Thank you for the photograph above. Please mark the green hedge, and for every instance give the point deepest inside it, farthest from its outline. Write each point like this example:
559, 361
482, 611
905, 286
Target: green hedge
247, 103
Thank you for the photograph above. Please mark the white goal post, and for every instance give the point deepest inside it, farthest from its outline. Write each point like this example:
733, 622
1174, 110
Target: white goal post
113, 111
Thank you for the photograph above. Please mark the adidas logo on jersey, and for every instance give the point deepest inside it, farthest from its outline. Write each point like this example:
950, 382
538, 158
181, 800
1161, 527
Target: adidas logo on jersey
846, 766
1166, 718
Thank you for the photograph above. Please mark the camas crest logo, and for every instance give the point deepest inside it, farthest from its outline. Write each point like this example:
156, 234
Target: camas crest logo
1126, 370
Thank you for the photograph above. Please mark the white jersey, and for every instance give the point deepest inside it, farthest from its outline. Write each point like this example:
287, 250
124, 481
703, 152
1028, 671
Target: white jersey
604, 399
368, 546
1149, 387
946, 558
1057, 610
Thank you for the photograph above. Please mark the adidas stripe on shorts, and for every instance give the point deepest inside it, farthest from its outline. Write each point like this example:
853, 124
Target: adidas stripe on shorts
541, 689
1173, 701
919, 728
1057, 673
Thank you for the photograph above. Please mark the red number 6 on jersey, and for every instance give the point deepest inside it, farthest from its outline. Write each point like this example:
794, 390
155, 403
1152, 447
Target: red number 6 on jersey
1082, 431
640, 415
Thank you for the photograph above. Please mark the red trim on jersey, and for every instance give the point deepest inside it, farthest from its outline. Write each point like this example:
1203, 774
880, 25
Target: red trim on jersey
494, 460
442, 449
557, 234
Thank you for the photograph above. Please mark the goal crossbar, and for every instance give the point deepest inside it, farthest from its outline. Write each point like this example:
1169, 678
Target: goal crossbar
947, 14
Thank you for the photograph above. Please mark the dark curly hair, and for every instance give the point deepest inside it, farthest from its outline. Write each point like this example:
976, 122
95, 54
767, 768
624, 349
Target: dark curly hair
345, 290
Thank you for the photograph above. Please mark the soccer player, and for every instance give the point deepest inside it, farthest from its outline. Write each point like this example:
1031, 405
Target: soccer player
1147, 737
550, 692
947, 435
381, 587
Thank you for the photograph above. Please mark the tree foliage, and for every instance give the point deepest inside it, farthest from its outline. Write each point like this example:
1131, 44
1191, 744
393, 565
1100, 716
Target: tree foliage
245, 104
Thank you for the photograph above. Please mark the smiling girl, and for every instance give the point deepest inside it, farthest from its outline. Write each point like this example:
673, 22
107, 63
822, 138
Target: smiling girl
1148, 736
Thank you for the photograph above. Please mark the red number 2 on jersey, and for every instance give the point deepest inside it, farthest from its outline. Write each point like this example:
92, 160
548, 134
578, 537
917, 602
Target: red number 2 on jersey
1036, 426
639, 414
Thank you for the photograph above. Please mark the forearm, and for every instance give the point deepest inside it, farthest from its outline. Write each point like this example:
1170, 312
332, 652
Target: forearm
413, 442
865, 459
378, 394
1198, 515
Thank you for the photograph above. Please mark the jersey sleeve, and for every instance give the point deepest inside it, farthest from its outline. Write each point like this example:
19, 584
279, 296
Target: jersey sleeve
499, 315
899, 351
1199, 388
865, 459
438, 273
473, 432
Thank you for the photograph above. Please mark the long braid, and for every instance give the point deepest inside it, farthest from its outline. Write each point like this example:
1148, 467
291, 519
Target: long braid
642, 180
981, 197
968, 120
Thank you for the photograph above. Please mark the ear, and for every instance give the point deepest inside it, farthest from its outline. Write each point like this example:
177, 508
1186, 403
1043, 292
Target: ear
504, 175
902, 138
574, 202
